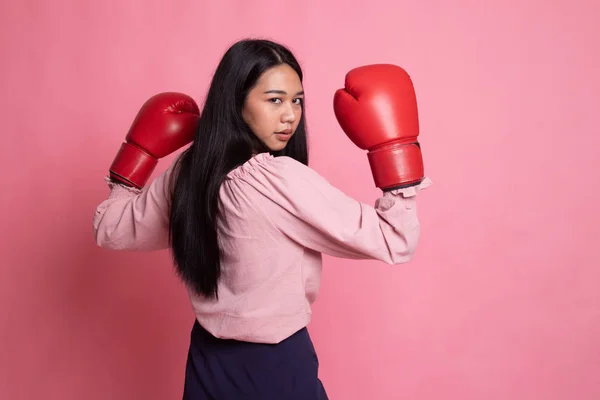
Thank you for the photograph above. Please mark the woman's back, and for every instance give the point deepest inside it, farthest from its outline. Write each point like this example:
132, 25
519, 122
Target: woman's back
276, 217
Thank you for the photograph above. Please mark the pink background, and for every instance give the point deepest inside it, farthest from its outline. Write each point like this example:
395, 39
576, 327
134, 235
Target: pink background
502, 299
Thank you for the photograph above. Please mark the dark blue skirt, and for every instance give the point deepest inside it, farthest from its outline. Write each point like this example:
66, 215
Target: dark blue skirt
220, 369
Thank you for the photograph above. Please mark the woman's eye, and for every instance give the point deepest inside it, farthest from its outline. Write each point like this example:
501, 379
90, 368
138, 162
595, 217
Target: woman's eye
277, 100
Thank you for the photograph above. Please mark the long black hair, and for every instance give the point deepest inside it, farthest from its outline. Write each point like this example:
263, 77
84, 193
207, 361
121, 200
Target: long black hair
222, 142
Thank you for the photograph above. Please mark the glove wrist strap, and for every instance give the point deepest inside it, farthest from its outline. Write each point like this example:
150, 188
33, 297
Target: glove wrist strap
397, 165
132, 165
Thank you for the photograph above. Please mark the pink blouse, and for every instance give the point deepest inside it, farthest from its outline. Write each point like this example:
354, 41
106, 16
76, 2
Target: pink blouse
278, 217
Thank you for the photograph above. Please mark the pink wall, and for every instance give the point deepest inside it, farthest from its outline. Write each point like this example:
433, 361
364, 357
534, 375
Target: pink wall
502, 300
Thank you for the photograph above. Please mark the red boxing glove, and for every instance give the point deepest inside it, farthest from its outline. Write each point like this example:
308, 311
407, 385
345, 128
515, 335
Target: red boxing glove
378, 111
164, 124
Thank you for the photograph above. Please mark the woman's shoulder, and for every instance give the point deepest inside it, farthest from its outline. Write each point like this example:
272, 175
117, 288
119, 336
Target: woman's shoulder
265, 165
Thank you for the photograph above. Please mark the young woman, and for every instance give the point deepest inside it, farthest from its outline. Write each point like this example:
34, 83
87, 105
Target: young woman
247, 220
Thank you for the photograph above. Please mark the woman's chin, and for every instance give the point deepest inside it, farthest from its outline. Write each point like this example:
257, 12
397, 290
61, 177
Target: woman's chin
277, 146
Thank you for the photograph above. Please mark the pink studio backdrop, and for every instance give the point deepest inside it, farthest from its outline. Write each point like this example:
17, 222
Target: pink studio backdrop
502, 299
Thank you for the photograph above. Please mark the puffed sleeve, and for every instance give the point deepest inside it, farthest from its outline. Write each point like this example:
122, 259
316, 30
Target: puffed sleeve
134, 219
303, 205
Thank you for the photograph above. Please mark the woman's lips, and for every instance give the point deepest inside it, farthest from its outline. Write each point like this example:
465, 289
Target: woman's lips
284, 135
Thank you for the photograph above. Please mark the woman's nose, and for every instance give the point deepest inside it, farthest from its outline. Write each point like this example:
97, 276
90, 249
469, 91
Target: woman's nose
288, 114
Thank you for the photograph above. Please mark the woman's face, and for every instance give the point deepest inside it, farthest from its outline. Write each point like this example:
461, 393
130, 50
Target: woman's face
274, 106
